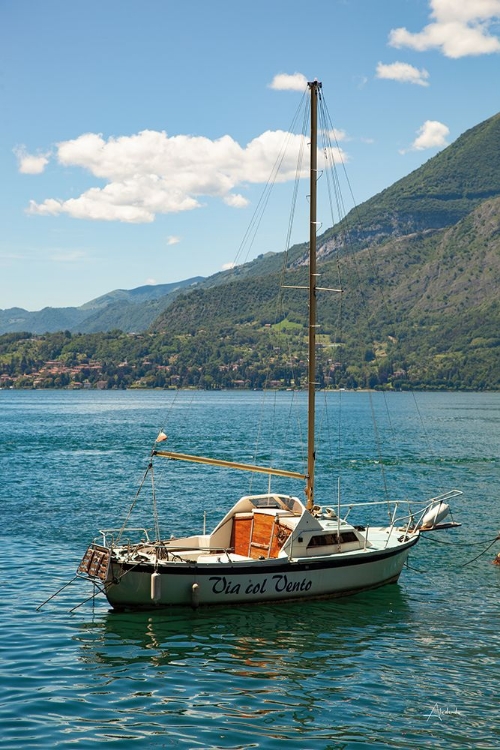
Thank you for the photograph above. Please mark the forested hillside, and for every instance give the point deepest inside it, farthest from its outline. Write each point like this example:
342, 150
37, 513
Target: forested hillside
419, 306
438, 194
423, 312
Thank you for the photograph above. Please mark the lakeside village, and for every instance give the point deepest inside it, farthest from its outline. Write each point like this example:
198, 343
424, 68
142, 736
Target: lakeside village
112, 362
175, 371
246, 367
97, 375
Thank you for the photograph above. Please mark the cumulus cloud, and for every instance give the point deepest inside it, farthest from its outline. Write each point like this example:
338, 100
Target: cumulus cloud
403, 72
336, 135
173, 240
287, 82
332, 153
151, 173
458, 28
236, 201
432, 134
30, 163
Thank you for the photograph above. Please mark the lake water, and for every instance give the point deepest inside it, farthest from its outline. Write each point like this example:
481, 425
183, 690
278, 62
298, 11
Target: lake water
412, 665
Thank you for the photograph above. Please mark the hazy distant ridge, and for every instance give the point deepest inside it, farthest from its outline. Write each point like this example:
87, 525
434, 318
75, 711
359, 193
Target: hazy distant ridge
129, 310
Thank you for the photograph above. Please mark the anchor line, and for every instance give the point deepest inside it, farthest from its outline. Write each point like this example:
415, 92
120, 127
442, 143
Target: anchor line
433, 540
101, 590
56, 593
457, 567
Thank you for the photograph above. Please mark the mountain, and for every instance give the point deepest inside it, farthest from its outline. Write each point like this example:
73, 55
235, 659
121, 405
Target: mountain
49, 319
438, 194
140, 294
129, 310
425, 306
420, 276
420, 312
447, 272
126, 310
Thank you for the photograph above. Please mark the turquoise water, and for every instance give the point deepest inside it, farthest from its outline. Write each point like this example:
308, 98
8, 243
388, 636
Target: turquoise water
412, 665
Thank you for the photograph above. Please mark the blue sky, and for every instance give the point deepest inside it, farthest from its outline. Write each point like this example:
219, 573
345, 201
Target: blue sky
135, 136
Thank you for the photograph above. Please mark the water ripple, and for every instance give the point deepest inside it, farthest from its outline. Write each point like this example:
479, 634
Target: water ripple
407, 666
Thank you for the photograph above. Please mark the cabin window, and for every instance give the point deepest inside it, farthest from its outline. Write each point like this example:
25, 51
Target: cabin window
288, 502
265, 502
327, 540
281, 502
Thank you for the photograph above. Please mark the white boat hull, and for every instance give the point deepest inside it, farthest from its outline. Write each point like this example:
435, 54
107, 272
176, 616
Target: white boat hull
212, 583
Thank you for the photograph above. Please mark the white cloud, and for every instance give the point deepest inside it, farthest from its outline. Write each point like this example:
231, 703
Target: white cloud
173, 240
68, 256
50, 207
236, 201
459, 28
431, 134
150, 282
286, 82
228, 266
150, 173
30, 163
336, 135
7, 258
361, 81
403, 72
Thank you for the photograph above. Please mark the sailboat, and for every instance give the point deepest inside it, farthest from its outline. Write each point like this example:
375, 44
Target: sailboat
271, 546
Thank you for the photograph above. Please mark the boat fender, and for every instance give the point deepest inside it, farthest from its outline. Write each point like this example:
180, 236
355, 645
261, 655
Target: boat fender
155, 586
434, 516
195, 595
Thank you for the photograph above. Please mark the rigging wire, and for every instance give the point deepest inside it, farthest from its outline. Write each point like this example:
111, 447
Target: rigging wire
125, 522
252, 229
337, 244
155, 507
249, 236
290, 140
380, 288
277, 331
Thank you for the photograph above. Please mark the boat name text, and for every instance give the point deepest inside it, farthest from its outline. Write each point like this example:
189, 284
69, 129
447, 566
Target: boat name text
278, 583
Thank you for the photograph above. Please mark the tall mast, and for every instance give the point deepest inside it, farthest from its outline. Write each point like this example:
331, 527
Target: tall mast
314, 87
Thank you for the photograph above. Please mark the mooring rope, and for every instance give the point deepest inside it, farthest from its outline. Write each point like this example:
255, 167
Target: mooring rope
457, 567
